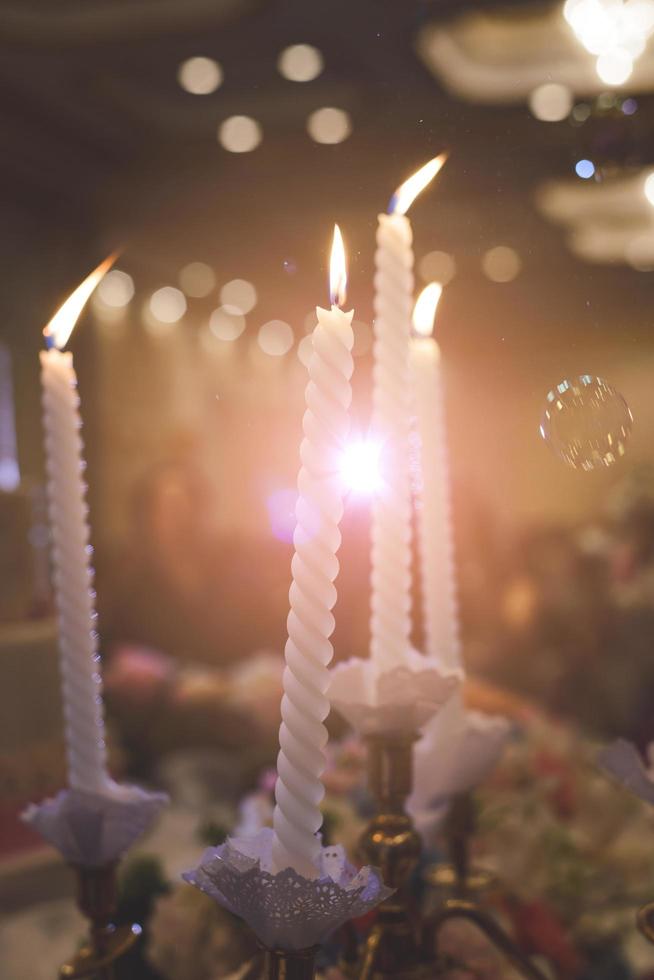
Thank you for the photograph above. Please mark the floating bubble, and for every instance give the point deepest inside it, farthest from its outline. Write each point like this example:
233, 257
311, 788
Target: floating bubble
586, 422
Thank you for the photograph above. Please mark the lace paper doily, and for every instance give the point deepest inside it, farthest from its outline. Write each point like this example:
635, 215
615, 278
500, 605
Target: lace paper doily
457, 751
91, 829
286, 910
401, 700
622, 760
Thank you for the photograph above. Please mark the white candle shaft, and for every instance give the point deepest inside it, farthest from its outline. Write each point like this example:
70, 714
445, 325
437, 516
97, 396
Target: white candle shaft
391, 515
302, 735
73, 575
433, 506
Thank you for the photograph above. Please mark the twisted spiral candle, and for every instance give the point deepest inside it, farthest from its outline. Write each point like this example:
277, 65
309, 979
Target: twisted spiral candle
434, 518
73, 575
391, 514
390, 621
302, 735
436, 546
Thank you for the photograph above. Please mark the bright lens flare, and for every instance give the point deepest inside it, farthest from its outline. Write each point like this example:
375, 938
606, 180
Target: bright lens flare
60, 327
407, 192
424, 312
360, 470
337, 269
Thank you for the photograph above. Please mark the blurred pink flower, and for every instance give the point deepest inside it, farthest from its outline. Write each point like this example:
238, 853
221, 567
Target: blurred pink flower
136, 675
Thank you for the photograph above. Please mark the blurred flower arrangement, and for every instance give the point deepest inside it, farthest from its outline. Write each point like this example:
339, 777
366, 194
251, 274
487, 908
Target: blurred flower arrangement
159, 707
573, 852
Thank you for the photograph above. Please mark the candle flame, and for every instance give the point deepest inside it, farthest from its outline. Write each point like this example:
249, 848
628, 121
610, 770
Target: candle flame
337, 269
60, 327
407, 192
424, 312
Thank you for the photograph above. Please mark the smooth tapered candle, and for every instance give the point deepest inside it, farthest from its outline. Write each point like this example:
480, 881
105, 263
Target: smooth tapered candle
390, 624
435, 544
305, 706
71, 550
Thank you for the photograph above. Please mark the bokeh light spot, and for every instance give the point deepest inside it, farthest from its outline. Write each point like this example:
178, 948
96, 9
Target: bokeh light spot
439, 266
275, 338
615, 67
240, 294
584, 169
200, 76
116, 289
551, 102
501, 264
586, 422
168, 304
227, 323
581, 112
329, 125
300, 63
197, 279
240, 134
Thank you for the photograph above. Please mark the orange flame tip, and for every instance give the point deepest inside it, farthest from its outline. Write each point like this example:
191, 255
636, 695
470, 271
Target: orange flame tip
57, 332
407, 192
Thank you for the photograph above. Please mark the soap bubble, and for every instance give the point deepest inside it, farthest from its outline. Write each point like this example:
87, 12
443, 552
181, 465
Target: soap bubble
586, 422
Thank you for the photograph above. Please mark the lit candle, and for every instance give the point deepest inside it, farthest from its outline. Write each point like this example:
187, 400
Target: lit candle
433, 498
390, 624
73, 575
302, 735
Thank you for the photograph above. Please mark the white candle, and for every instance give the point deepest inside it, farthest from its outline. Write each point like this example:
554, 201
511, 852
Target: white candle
433, 499
302, 735
390, 624
73, 575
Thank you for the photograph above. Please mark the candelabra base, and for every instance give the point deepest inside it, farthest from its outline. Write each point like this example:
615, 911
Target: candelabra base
96, 899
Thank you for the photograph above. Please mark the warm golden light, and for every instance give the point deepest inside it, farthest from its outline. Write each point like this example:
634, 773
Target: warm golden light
60, 327
407, 192
337, 270
424, 312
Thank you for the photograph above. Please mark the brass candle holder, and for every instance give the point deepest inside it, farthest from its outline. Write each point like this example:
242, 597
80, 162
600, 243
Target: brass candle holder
393, 948
402, 943
107, 942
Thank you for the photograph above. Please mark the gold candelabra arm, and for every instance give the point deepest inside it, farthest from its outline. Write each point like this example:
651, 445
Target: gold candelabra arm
459, 908
645, 921
96, 899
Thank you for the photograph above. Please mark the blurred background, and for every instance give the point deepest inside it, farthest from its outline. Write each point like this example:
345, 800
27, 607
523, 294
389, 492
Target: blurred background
214, 143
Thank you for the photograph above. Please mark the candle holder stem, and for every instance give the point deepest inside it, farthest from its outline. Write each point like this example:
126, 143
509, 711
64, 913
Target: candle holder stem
391, 843
457, 877
96, 899
290, 964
